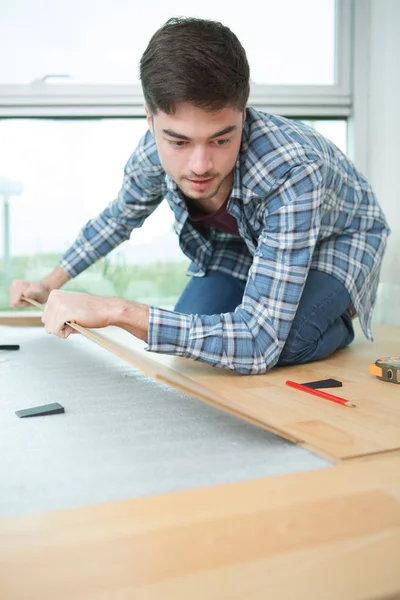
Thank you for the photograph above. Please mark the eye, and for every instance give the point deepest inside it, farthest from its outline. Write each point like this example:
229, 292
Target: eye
175, 144
222, 142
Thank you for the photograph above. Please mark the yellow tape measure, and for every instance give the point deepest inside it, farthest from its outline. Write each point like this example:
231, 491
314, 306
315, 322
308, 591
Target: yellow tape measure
386, 368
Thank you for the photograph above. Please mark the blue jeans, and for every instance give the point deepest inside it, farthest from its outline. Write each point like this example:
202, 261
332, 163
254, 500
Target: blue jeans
322, 323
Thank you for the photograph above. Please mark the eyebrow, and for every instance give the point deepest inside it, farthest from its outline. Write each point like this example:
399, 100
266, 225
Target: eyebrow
184, 137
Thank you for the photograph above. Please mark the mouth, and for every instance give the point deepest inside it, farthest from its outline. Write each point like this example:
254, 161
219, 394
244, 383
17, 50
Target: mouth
200, 184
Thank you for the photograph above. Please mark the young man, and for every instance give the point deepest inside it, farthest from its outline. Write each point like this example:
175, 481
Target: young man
286, 238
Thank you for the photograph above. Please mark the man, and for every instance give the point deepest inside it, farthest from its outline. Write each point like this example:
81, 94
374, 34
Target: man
286, 238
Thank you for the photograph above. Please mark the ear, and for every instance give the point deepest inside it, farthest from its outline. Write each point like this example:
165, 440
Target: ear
149, 118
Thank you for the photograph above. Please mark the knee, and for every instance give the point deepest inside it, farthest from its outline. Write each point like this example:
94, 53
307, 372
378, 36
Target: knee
296, 351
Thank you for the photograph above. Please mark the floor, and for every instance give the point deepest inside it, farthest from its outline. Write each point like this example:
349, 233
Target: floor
162, 491
123, 434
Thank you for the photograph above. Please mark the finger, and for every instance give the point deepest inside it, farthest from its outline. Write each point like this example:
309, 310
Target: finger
33, 293
55, 329
19, 303
15, 296
73, 330
48, 322
68, 330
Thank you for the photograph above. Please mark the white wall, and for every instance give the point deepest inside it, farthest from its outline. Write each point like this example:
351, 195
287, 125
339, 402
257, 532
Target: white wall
377, 129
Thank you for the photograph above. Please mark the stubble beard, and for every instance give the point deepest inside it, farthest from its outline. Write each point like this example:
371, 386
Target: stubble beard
201, 196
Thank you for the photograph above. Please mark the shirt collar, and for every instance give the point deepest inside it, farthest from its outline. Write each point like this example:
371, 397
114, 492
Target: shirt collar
239, 190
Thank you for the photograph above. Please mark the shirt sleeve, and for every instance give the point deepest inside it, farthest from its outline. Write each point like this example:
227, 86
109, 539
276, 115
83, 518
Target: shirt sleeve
250, 339
139, 196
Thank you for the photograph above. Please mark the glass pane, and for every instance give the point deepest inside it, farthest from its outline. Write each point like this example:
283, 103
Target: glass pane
98, 41
333, 129
60, 174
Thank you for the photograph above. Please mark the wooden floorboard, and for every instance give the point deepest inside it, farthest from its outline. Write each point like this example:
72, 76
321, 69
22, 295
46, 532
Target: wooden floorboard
328, 429
327, 534
21, 318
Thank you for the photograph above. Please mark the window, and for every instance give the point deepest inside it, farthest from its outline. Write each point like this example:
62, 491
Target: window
299, 54
98, 42
65, 172
66, 155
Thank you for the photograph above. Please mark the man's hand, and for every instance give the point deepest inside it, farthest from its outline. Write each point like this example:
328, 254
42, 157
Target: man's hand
84, 309
36, 290
93, 312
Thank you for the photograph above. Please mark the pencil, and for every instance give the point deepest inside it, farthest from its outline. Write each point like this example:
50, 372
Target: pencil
325, 395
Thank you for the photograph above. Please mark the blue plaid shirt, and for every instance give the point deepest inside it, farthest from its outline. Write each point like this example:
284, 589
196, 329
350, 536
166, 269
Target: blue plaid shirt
299, 204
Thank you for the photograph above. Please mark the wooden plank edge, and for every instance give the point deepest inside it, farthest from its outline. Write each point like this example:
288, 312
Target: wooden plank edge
350, 458
322, 453
372, 455
205, 397
21, 318
172, 378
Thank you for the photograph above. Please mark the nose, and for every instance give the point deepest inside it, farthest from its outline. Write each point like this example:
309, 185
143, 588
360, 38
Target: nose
200, 161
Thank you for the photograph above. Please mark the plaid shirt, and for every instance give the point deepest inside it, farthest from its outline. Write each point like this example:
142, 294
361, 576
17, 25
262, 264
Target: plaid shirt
299, 204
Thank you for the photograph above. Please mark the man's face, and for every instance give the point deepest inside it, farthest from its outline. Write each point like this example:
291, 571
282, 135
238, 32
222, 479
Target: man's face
198, 149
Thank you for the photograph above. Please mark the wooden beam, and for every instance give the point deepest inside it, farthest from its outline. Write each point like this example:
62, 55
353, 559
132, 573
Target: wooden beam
21, 318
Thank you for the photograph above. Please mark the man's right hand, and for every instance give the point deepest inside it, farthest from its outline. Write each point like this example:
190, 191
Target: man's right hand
36, 290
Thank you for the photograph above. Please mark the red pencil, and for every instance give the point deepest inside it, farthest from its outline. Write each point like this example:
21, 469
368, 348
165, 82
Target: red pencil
325, 395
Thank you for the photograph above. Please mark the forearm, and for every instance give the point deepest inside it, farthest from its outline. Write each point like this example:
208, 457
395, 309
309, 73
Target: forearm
95, 240
140, 195
229, 341
56, 279
131, 316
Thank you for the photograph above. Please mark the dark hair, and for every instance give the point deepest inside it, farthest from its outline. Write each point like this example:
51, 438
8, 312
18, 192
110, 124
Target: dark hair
196, 61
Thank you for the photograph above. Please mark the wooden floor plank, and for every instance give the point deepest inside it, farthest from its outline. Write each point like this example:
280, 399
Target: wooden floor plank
330, 533
21, 318
329, 429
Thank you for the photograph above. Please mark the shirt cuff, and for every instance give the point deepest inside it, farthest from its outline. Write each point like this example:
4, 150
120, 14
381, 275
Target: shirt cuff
66, 265
168, 331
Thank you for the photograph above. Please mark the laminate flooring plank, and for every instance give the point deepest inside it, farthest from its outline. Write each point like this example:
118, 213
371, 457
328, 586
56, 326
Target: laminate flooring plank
326, 534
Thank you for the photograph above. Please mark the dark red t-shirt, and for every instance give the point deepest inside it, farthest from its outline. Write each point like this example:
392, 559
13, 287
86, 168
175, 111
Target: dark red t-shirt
220, 219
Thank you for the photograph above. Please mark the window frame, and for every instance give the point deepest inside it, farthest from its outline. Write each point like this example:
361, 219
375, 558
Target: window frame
41, 99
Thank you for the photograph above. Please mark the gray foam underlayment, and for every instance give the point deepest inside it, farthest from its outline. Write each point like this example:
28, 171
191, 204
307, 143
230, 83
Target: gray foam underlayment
122, 435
